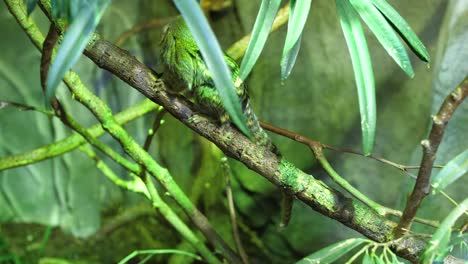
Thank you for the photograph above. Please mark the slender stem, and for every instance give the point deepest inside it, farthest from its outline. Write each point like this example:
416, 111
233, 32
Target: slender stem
70, 122
430, 145
357, 254
177, 223
382, 210
316, 147
153, 23
156, 124
137, 185
232, 211
72, 142
308, 141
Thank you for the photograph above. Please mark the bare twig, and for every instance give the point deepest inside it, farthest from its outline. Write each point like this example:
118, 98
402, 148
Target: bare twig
156, 124
153, 23
308, 141
232, 212
317, 147
149, 138
430, 146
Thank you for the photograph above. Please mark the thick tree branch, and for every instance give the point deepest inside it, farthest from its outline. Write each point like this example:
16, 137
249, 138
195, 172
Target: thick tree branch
280, 172
430, 146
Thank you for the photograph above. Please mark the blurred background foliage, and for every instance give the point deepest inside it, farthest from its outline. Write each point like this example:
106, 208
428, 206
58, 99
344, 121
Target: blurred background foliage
318, 100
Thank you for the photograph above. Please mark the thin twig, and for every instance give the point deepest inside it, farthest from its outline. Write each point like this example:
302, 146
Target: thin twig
232, 212
317, 147
308, 141
156, 124
149, 138
430, 146
72, 142
153, 23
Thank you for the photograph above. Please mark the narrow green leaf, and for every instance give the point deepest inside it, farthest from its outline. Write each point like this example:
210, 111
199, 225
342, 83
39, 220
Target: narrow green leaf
75, 40
363, 73
384, 33
332, 252
299, 10
214, 59
30, 5
289, 59
60, 9
403, 29
266, 16
437, 247
152, 252
74, 8
454, 169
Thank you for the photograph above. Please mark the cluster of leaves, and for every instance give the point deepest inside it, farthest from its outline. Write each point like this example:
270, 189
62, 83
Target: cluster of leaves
381, 18
335, 251
438, 247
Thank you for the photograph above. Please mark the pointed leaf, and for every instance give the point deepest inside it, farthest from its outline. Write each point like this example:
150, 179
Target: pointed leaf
403, 29
332, 252
454, 169
363, 74
266, 16
289, 59
214, 59
299, 10
30, 5
437, 247
75, 40
384, 33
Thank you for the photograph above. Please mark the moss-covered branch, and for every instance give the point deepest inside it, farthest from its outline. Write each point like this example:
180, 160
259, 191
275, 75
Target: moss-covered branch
315, 193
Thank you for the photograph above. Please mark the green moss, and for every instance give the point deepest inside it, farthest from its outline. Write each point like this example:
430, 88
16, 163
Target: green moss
292, 177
